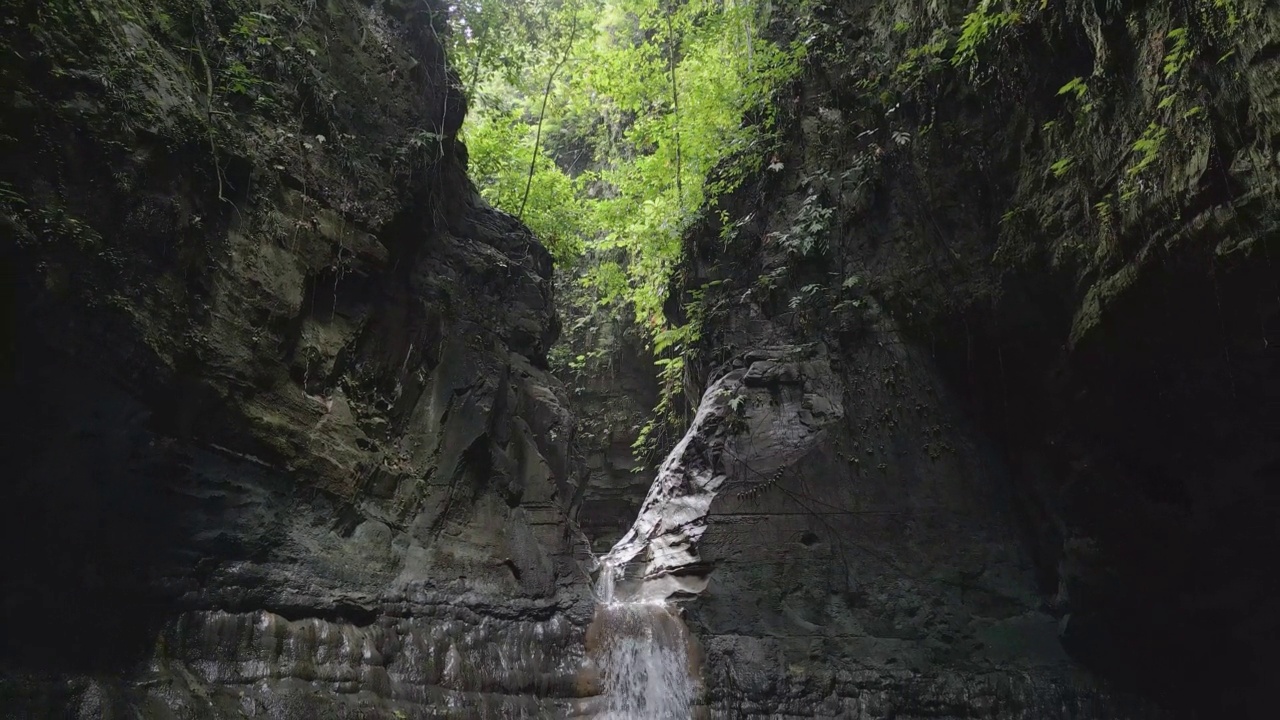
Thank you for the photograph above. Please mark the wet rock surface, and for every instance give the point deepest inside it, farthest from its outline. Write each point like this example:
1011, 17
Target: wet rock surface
860, 557
752, 424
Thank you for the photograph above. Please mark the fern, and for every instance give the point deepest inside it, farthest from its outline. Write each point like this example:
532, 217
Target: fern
807, 234
1148, 147
1076, 87
979, 27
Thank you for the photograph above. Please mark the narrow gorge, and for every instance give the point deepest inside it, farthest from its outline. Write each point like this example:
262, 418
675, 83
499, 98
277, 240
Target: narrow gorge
972, 408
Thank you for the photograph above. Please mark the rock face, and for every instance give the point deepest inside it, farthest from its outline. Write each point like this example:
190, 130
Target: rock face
1055, 347
860, 557
988, 381
290, 449
752, 424
609, 376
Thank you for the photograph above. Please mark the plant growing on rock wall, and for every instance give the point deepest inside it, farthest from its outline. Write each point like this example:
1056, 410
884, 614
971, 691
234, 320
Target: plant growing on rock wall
806, 234
979, 29
1177, 83
499, 146
1147, 147
672, 347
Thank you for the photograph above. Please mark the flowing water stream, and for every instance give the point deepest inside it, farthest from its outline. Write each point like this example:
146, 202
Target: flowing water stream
751, 423
643, 655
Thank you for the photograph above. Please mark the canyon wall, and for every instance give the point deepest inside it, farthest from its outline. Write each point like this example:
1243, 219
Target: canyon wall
284, 441
289, 447
1043, 274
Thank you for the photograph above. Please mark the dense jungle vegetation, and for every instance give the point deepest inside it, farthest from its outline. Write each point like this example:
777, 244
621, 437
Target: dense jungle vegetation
610, 126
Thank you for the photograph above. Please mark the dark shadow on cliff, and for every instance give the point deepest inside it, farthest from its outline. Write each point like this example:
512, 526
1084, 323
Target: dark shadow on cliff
1144, 465
84, 523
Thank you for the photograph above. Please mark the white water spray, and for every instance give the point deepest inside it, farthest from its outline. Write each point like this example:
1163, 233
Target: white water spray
642, 654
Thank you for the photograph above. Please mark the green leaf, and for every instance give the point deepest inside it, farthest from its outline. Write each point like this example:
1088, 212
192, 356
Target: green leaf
1076, 86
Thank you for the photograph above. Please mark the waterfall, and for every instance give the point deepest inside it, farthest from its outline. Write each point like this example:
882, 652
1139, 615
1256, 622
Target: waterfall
643, 656
637, 644
751, 424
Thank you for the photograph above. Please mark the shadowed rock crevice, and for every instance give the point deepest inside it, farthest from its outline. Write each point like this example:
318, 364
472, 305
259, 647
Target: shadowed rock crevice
86, 527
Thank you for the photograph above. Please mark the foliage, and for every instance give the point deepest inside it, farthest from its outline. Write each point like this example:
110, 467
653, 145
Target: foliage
625, 118
1078, 89
1148, 146
670, 346
922, 60
979, 28
806, 234
500, 144
1174, 119
1175, 85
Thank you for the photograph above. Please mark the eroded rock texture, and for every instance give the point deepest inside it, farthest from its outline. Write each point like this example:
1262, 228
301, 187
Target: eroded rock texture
1057, 363
998, 444
874, 570
753, 424
288, 449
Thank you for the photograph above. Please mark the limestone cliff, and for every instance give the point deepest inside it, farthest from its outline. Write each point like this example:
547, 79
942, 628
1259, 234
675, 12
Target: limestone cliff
1044, 272
989, 375
288, 447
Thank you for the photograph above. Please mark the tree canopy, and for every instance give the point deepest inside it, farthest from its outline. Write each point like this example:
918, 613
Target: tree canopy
599, 123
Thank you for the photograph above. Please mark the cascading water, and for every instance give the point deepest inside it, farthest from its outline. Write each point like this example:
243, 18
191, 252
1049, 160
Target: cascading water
752, 422
638, 646
642, 654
